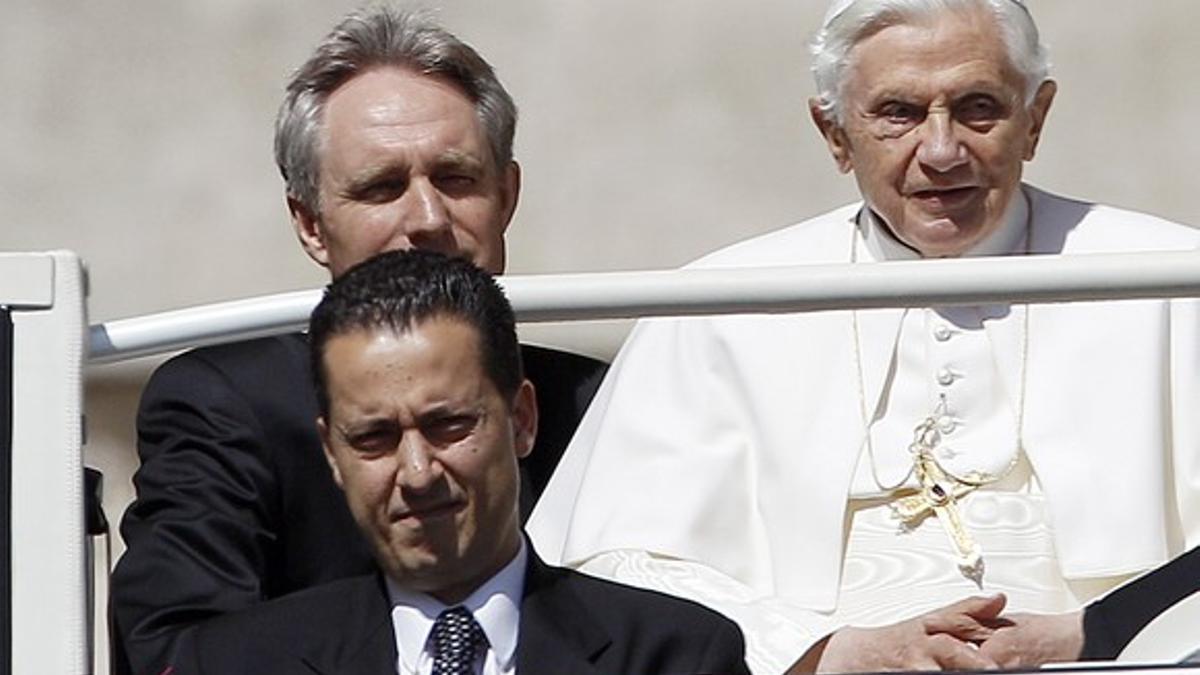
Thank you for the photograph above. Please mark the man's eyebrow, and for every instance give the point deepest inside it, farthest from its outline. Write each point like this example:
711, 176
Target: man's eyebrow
370, 174
364, 425
445, 410
875, 99
894, 92
986, 86
458, 158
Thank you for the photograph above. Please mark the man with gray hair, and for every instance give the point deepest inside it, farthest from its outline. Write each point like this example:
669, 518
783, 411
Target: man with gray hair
921, 488
394, 134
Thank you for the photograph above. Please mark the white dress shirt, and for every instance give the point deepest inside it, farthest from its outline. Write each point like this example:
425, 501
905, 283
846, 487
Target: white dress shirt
496, 606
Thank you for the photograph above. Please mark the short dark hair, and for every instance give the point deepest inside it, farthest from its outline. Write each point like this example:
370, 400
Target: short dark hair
399, 289
370, 38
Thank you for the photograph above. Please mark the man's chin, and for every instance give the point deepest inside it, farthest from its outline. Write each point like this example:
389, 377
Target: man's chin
423, 570
940, 236
418, 555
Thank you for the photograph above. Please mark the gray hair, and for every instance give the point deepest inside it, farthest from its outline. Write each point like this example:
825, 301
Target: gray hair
366, 39
860, 19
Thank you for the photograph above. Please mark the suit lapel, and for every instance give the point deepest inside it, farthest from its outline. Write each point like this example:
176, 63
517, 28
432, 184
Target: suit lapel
557, 632
362, 641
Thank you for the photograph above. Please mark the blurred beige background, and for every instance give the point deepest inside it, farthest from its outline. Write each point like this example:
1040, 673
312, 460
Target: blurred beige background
139, 135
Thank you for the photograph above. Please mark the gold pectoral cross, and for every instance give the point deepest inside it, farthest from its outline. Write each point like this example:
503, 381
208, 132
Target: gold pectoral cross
938, 495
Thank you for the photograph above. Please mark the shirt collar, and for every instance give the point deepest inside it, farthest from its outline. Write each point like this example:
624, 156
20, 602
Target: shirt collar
882, 245
496, 605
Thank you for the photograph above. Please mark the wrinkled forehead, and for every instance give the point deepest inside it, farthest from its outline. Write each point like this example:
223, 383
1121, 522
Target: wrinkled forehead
960, 45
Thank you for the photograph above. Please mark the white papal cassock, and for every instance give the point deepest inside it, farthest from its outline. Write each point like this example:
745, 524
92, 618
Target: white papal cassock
726, 459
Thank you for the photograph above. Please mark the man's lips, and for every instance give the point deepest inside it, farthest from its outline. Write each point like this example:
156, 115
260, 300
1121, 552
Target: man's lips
953, 193
429, 512
946, 198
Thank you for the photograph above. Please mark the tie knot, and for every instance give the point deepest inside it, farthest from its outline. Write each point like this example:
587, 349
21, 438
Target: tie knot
457, 639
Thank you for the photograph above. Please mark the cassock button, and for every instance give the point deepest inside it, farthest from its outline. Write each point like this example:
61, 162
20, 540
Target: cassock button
941, 333
945, 377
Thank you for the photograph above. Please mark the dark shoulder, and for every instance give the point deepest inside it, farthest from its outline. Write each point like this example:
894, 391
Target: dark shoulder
271, 371
279, 355
554, 356
554, 367
629, 604
325, 623
565, 383
321, 608
656, 633
308, 617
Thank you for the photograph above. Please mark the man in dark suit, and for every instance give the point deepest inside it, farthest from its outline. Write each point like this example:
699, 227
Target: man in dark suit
393, 135
424, 412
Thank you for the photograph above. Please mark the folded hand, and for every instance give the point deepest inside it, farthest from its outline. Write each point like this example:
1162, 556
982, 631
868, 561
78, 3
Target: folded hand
1029, 640
944, 639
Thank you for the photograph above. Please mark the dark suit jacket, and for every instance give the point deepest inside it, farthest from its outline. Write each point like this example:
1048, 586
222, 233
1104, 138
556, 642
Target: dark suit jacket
235, 503
1112, 621
571, 624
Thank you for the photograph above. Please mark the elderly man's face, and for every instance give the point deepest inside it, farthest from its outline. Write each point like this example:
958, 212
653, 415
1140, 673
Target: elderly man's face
405, 163
935, 129
425, 448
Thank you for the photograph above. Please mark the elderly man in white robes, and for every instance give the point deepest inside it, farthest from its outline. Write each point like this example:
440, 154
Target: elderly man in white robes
772, 467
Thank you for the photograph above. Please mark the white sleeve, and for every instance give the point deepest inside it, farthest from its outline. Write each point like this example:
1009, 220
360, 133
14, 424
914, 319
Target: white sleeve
670, 406
777, 632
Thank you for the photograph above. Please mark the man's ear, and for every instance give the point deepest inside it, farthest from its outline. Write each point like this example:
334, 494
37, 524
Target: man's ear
308, 230
510, 191
524, 419
1039, 109
833, 134
323, 430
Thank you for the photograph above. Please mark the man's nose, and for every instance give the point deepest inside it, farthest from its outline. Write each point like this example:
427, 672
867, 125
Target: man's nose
419, 468
940, 147
428, 223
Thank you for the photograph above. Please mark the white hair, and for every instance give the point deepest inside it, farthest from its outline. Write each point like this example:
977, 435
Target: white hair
848, 23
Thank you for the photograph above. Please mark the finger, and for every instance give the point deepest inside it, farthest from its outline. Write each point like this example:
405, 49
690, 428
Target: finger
952, 654
960, 626
973, 619
981, 606
975, 628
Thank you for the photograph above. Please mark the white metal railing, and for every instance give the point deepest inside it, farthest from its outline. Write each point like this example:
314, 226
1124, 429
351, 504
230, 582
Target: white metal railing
611, 295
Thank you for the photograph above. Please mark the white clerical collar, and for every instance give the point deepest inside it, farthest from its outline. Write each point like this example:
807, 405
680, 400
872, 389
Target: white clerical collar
496, 605
882, 245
